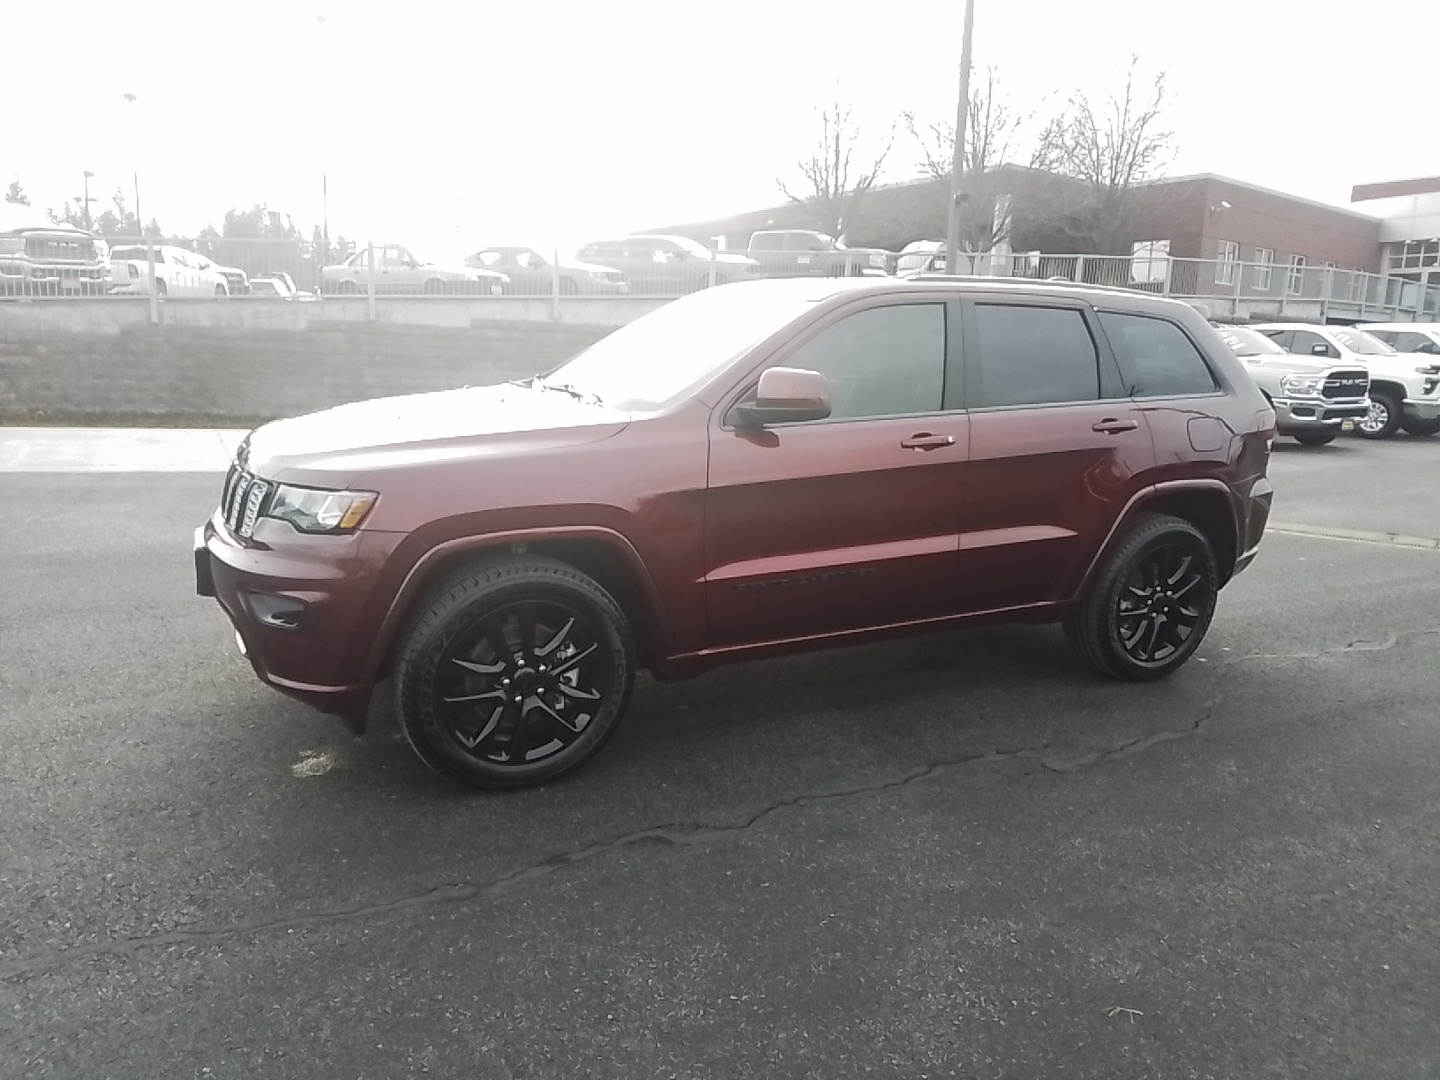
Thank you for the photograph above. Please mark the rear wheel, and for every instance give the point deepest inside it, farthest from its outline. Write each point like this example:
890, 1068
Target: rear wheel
1150, 603
1316, 439
349, 288
220, 292
160, 287
434, 287
1420, 427
1383, 418
515, 674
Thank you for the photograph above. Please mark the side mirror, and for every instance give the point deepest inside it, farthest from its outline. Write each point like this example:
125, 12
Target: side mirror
786, 396
1320, 349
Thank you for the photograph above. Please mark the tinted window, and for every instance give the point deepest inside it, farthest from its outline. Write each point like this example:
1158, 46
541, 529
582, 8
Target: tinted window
1032, 355
881, 362
1156, 358
1409, 341
1304, 344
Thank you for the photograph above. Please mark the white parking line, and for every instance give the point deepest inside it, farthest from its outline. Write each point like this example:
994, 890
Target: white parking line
119, 450
1334, 532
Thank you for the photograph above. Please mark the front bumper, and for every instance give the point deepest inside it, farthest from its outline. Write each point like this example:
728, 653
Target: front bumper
304, 608
1316, 414
1422, 409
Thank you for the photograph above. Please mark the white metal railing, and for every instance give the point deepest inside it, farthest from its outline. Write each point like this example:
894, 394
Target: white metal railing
313, 269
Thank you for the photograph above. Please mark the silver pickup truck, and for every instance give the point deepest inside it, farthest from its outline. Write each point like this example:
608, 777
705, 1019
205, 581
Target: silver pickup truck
1314, 400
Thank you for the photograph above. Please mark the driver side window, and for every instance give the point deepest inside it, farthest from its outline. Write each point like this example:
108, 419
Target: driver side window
887, 361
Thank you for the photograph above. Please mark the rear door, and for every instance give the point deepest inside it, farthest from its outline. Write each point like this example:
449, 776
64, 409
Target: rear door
1056, 447
836, 524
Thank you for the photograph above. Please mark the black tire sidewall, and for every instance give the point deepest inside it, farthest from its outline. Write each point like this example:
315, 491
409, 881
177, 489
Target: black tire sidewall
453, 613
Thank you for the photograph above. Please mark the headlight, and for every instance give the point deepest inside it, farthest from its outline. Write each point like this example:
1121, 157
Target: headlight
877, 258
1302, 384
314, 511
1428, 369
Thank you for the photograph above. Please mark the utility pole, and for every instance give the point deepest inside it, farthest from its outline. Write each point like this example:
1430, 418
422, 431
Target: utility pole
88, 200
962, 112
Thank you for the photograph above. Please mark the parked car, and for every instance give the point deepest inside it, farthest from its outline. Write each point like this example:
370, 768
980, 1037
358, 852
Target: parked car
1404, 387
237, 282
277, 283
793, 252
773, 466
921, 257
42, 259
397, 271
1412, 337
1314, 399
178, 272
662, 265
531, 274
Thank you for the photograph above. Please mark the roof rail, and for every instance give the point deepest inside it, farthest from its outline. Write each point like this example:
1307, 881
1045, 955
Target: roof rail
1052, 282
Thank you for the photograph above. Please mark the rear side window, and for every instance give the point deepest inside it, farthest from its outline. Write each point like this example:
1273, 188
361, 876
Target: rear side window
1156, 358
887, 361
1031, 356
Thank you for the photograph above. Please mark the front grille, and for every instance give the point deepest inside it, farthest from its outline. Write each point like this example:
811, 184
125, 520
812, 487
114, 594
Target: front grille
243, 500
1346, 384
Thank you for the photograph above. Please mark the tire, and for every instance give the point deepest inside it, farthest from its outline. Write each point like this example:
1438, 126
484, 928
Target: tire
1316, 440
1420, 427
348, 288
473, 675
434, 287
161, 289
1384, 417
1161, 574
221, 293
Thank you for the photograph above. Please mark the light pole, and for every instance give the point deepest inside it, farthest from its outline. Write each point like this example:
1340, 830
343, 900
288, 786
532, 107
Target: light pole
962, 111
150, 288
87, 200
135, 176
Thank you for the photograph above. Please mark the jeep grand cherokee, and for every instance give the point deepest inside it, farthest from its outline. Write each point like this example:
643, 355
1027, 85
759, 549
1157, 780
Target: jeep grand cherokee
760, 468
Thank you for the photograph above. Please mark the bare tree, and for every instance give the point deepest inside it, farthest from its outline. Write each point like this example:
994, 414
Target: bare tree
16, 194
992, 133
1109, 151
834, 183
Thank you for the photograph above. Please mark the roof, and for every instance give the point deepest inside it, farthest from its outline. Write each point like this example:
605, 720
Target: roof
1390, 188
1217, 178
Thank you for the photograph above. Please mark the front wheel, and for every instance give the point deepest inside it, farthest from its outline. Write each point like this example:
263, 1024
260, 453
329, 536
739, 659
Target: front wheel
1316, 440
1420, 427
515, 674
1382, 419
1150, 603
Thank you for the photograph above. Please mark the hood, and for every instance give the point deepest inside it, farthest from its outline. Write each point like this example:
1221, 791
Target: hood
1295, 362
416, 429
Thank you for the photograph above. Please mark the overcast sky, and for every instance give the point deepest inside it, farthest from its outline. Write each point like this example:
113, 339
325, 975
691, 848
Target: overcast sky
450, 126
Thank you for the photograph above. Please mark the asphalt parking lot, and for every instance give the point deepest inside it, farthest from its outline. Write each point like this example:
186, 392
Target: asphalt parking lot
959, 855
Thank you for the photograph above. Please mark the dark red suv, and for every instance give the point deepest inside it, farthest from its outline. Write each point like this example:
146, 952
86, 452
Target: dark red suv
759, 468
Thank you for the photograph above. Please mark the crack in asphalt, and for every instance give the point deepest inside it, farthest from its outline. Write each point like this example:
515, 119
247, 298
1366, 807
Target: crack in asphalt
1360, 645
675, 833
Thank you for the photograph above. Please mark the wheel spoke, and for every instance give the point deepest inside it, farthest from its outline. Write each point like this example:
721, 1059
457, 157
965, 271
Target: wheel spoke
1180, 571
471, 743
576, 694
570, 728
498, 694
525, 615
494, 633
480, 669
569, 663
515, 748
556, 641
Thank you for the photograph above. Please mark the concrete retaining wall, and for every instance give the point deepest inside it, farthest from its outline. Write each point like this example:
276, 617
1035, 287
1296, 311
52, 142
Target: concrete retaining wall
95, 364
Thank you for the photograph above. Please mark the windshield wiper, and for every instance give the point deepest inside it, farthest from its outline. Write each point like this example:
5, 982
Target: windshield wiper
568, 388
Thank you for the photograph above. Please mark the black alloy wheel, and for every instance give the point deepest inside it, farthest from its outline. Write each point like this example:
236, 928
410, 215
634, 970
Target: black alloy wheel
1150, 603
515, 674
1384, 416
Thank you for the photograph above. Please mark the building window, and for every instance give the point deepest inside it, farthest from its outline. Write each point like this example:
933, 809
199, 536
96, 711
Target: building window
1226, 263
1264, 259
1357, 285
1413, 255
1296, 278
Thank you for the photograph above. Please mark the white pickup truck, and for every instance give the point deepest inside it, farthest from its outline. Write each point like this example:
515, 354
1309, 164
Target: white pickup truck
1404, 387
1314, 399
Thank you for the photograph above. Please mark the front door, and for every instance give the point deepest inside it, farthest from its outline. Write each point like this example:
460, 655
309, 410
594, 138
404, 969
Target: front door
1055, 446
812, 528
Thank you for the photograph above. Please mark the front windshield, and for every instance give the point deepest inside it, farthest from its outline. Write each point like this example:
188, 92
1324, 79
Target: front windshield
485, 258
655, 360
1246, 342
1359, 341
